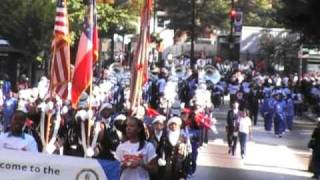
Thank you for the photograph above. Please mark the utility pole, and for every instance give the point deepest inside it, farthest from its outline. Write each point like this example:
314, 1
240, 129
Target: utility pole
192, 58
154, 28
154, 15
231, 39
300, 56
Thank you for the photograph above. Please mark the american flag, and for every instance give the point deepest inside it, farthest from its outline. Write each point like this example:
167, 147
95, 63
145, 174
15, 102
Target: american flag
139, 68
60, 63
82, 77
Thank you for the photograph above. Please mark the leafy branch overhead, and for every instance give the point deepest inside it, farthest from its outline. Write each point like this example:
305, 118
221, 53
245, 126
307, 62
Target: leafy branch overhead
214, 13
300, 16
28, 24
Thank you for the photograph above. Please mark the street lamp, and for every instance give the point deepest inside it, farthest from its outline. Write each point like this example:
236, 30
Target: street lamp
154, 15
192, 58
194, 23
232, 15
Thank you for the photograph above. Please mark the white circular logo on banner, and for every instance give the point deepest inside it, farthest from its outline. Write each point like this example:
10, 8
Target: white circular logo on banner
87, 174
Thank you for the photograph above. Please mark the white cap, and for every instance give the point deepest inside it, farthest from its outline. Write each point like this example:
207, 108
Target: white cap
82, 114
159, 118
176, 120
120, 117
105, 106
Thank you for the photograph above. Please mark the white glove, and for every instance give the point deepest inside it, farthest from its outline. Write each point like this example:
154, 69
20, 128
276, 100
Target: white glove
162, 162
42, 106
50, 105
50, 148
59, 101
97, 127
189, 148
64, 110
90, 114
82, 114
214, 129
90, 152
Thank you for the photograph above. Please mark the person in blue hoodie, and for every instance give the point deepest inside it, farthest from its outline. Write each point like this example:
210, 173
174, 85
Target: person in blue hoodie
9, 105
289, 109
279, 115
267, 111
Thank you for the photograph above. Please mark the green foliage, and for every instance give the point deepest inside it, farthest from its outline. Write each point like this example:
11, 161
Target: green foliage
258, 13
110, 18
215, 13
27, 24
207, 12
280, 49
301, 16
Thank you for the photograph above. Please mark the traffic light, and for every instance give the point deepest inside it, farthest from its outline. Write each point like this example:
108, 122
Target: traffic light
232, 14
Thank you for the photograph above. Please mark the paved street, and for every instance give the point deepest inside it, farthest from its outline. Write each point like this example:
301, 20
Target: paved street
268, 157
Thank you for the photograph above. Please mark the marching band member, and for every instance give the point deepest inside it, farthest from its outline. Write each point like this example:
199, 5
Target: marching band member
189, 123
253, 104
9, 107
107, 137
157, 138
279, 115
120, 123
233, 88
175, 151
289, 111
267, 111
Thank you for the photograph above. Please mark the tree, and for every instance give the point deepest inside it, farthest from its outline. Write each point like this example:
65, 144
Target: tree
27, 24
208, 13
300, 16
111, 19
109, 16
258, 13
214, 13
280, 49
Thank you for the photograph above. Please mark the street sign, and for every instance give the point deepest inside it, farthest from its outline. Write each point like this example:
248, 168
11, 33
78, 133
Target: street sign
238, 22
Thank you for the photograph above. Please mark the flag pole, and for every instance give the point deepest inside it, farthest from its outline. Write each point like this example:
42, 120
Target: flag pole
90, 110
51, 90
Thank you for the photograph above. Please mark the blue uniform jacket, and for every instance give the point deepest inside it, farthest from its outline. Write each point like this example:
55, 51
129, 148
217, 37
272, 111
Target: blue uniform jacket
289, 107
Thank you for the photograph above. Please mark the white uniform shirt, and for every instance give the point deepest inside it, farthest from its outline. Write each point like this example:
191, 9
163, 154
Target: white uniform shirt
129, 151
22, 143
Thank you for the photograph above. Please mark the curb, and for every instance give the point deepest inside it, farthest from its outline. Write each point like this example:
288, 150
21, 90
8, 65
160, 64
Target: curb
310, 116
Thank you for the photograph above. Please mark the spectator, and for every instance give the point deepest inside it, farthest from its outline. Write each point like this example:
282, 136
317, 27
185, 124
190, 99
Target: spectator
245, 131
314, 144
